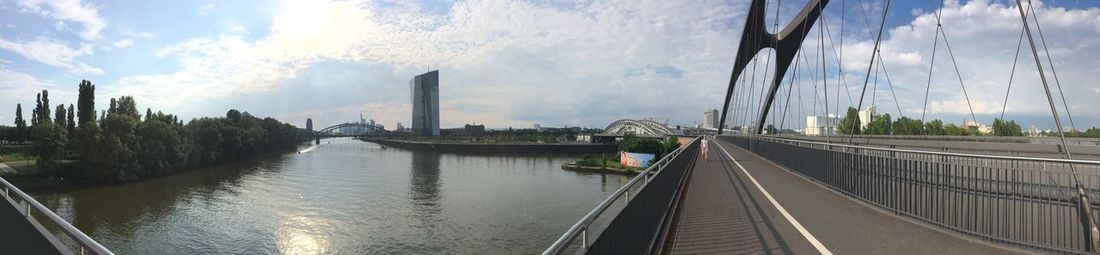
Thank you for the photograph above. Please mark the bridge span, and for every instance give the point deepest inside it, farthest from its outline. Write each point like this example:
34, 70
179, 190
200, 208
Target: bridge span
768, 194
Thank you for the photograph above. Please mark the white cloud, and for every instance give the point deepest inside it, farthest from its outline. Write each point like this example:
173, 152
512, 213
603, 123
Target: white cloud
123, 43
20, 86
983, 36
510, 59
69, 10
206, 9
52, 52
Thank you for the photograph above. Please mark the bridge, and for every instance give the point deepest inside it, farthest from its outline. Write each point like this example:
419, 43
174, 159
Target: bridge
352, 129
842, 193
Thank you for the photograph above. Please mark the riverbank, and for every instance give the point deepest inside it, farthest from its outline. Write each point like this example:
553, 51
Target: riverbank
574, 166
503, 148
35, 183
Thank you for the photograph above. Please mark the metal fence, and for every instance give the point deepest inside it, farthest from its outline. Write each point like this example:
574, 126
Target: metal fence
634, 227
1018, 200
33, 211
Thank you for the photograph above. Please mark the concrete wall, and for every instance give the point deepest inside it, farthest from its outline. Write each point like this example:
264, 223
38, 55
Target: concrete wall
548, 148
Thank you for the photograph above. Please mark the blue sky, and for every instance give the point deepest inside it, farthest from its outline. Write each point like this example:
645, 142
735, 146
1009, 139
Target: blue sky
515, 63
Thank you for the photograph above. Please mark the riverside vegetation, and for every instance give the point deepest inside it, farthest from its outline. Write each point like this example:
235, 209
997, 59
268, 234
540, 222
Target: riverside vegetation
121, 144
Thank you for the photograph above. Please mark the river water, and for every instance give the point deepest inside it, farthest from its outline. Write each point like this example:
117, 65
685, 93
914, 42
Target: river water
342, 196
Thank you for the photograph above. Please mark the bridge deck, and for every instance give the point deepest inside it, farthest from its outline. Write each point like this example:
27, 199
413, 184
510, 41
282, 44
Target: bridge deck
724, 212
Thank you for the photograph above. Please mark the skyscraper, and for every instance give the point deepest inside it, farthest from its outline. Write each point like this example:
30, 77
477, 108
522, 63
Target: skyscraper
425, 104
710, 118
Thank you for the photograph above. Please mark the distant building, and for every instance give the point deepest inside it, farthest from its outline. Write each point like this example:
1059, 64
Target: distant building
865, 117
474, 130
983, 129
538, 127
309, 125
400, 128
1033, 131
821, 125
425, 104
710, 118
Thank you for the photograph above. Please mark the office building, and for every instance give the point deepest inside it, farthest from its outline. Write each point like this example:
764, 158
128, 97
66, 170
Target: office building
710, 118
820, 125
865, 117
425, 104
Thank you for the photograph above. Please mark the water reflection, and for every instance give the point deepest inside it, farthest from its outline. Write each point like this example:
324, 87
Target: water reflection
302, 235
424, 191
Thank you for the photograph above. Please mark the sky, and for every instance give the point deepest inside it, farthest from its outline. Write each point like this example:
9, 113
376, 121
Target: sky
510, 63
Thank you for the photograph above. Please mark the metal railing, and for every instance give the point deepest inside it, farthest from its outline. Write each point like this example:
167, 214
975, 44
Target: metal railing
84, 243
584, 229
1019, 200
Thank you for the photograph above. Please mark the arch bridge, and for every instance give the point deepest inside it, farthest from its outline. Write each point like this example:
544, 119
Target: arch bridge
351, 129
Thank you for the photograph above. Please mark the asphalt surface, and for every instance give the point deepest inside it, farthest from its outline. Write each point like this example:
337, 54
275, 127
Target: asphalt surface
724, 212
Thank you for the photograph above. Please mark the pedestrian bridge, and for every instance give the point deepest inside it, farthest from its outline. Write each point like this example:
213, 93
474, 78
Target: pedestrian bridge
765, 194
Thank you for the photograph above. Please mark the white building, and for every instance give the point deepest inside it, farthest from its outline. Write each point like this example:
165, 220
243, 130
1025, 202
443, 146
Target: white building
710, 118
983, 129
865, 117
820, 125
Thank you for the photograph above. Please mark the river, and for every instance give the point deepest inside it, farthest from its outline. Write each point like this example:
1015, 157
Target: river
342, 196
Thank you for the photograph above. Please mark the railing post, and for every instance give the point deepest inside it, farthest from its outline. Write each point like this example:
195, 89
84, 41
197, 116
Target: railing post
28, 211
1092, 234
584, 238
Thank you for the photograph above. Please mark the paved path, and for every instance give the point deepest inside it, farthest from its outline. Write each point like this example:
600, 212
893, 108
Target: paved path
724, 211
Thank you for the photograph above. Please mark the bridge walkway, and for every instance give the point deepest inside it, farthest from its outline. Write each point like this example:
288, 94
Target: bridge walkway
724, 212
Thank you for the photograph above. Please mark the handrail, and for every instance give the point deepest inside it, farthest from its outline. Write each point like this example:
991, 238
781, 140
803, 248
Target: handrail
581, 227
86, 243
941, 153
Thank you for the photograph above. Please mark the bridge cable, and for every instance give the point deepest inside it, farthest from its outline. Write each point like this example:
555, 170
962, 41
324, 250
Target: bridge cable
951, 53
786, 107
840, 81
824, 79
1083, 200
954, 63
1057, 82
932, 63
874, 52
882, 62
1012, 74
775, 23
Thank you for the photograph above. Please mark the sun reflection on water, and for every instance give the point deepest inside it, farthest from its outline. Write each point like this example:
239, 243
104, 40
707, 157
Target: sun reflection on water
300, 235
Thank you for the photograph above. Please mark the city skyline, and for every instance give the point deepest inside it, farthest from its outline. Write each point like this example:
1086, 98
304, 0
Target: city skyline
199, 58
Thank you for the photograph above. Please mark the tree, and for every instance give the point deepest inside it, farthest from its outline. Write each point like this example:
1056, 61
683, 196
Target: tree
1002, 128
935, 127
59, 116
233, 115
771, 129
85, 102
671, 144
952, 129
49, 146
850, 124
70, 124
20, 124
907, 126
880, 125
42, 109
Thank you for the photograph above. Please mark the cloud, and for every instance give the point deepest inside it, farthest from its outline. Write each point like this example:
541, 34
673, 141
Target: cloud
52, 52
123, 43
206, 9
20, 85
68, 10
553, 64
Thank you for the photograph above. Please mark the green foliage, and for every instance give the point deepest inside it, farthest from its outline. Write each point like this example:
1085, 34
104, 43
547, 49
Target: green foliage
49, 145
671, 143
20, 124
850, 124
952, 129
85, 102
42, 108
771, 129
121, 146
880, 125
1003, 128
632, 143
907, 126
935, 127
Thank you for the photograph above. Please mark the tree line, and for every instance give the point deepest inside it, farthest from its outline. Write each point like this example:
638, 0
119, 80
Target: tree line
121, 144
881, 124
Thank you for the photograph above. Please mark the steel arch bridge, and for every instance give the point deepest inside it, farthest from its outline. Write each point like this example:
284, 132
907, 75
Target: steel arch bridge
638, 127
367, 129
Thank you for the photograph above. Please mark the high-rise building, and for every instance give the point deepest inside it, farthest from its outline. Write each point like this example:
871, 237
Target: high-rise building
309, 125
821, 125
425, 104
865, 117
710, 118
